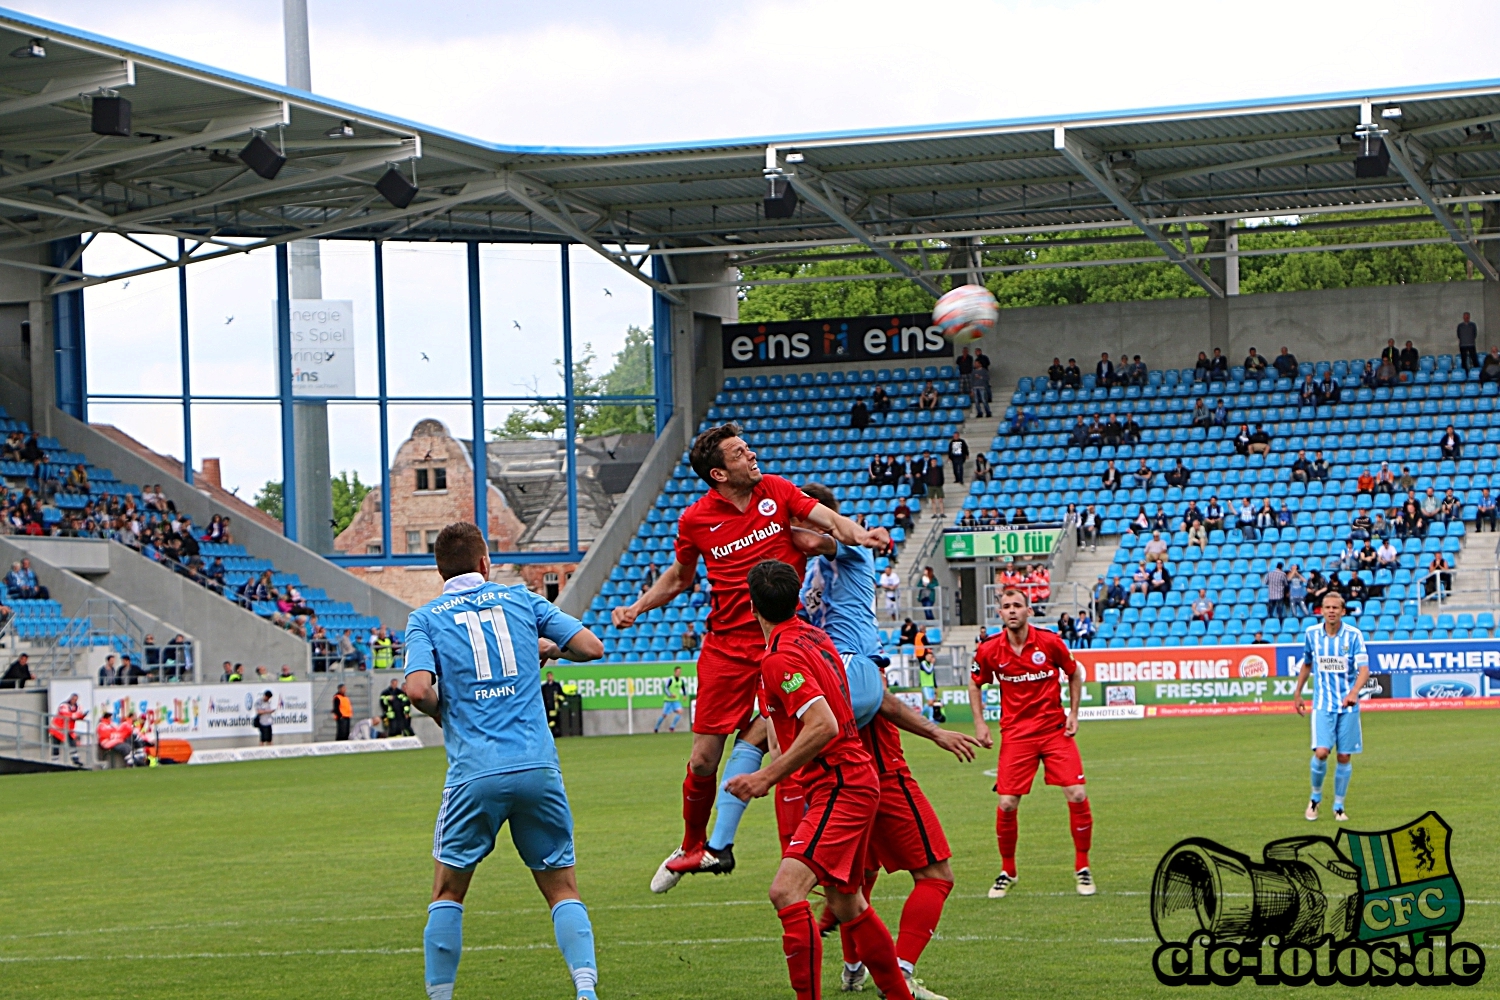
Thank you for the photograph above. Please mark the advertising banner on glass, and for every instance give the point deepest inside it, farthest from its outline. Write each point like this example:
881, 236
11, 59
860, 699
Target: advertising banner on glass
1011, 540
910, 337
322, 348
192, 711
618, 685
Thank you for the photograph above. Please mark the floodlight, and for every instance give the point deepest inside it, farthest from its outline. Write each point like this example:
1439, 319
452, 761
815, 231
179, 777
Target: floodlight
795, 157
33, 49
1390, 113
343, 130
395, 188
261, 157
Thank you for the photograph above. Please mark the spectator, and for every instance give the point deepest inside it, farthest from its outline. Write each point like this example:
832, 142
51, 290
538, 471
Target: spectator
1452, 509
265, 709
982, 471
1308, 394
1112, 479
981, 359
1200, 413
1114, 431
343, 714
1329, 390
1020, 422
880, 400
1468, 335
1301, 468
927, 588
1361, 527
1386, 373
1439, 580
366, 729
116, 738
1391, 353
934, 476
396, 707
1365, 483
1245, 520
1084, 627
1117, 597
890, 586
1490, 372
859, 415
1319, 468
965, 365
1218, 367
286, 674
1156, 549
1088, 528
968, 520
1367, 376
1141, 523
1407, 482
909, 630
1410, 359
1179, 475
1160, 581
958, 453
1265, 517
1198, 535
1451, 444
131, 672
1286, 364
981, 391
1284, 517
1431, 505
1385, 480
1276, 602
1259, 639
1367, 558
1485, 511
1260, 441
1143, 476
109, 672
1242, 440
1202, 368
1078, 437
214, 576
1255, 365
690, 638
1066, 629
1139, 373
902, 514
1221, 414
1019, 516
1072, 375
226, 672
17, 674
236, 674
1104, 372
1203, 608
23, 583
928, 400
1296, 592
1130, 431
1213, 515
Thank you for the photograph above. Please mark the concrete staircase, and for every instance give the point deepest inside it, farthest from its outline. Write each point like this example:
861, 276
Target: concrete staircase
1475, 587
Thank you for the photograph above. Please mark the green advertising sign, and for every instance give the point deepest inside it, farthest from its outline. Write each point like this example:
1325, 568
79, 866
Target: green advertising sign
620, 685
1017, 540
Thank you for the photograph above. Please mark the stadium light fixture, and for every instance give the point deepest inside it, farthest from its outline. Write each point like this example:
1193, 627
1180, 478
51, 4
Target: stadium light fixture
343, 130
795, 158
1390, 112
395, 188
261, 157
33, 49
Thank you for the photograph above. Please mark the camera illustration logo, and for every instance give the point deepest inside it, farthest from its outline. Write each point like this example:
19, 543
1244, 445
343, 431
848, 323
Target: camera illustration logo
1367, 908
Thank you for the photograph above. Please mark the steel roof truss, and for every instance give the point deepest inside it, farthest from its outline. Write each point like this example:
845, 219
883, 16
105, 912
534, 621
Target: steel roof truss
1400, 148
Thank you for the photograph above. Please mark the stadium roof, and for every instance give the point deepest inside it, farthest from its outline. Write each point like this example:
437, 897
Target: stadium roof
1157, 170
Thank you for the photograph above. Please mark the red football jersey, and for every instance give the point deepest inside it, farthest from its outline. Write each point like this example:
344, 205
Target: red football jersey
732, 541
800, 666
1030, 702
883, 741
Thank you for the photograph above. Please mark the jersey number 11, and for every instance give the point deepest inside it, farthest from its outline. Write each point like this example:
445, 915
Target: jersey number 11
473, 622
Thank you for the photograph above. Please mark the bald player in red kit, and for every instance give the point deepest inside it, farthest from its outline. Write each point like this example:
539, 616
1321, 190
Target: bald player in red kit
806, 695
744, 518
1029, 664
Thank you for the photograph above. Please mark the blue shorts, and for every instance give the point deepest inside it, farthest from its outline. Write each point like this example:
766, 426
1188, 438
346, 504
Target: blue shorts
535, 804
671, 706
1337, 729
866, 687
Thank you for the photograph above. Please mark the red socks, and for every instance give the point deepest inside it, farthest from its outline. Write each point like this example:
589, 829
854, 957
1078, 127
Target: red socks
1081, 825
851, 953
804, 950
920, 916
1005, 833
697, 805
873, 944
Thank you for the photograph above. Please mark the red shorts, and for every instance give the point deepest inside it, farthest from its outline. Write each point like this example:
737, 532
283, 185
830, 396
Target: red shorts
907, 834
833, 838
1057, 753
791, 806
728, 680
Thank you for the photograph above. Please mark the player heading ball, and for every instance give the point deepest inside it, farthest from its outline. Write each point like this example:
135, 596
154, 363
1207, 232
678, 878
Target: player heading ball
807, 700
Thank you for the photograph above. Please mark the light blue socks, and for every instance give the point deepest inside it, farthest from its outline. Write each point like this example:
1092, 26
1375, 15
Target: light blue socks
1319, 772
1341, 775
745, 758
443, 943
575, 939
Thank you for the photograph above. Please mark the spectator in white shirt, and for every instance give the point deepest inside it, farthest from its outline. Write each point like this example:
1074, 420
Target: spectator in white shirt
890, 585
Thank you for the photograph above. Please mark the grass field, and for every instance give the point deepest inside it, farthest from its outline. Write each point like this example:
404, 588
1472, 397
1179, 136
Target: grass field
310, 878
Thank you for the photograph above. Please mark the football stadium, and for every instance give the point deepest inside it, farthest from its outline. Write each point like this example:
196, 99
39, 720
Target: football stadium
950, 498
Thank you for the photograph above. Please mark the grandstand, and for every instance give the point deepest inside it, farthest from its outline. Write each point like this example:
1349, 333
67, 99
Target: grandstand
1400, 425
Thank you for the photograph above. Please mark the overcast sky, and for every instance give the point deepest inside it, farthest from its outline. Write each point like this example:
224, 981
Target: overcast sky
574, 72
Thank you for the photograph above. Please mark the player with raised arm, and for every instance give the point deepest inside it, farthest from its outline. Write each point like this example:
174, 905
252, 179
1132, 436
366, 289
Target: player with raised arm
839, 593
807, 700
473, 663
744, 517
1029, 663
1336, 650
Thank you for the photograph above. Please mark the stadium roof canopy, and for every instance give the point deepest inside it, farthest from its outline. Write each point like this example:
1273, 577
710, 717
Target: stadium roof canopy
1158, 171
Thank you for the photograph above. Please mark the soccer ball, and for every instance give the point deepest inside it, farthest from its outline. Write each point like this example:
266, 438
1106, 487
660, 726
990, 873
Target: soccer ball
966, 313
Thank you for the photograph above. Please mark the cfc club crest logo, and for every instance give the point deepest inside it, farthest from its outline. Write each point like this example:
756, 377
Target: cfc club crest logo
767, 507
1039, 657
1367, 908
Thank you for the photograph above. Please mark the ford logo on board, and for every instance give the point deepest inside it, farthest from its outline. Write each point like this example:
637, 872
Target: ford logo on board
1446, 689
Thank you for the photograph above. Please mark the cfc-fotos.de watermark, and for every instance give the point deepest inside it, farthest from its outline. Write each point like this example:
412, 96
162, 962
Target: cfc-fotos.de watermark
1367, 908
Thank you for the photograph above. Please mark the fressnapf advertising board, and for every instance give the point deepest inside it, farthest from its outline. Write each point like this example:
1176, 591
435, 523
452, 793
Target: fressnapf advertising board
910, 337
322, 348
192, 711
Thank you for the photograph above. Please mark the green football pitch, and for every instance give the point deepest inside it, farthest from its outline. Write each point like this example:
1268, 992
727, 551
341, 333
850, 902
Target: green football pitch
310, 878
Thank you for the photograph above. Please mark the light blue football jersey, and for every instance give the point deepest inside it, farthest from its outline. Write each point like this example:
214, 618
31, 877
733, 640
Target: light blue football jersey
839, 593
1335, 661
480, 641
